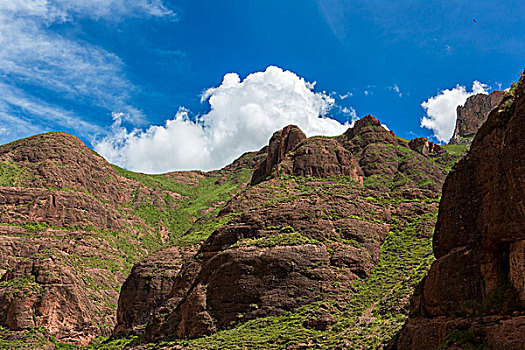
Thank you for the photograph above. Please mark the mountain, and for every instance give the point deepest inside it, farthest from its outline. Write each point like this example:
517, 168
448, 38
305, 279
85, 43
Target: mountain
327, 244
472, 115
309, 242
73, 225
474, 294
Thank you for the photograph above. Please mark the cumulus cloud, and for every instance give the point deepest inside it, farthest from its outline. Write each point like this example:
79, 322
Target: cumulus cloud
243, 115
36, 57
441, 109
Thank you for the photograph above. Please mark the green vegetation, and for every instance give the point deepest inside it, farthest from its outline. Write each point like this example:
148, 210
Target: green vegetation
375, 309
32, 338
457, 150
272, 240
21, 283
366, 314
10, 173
193, 211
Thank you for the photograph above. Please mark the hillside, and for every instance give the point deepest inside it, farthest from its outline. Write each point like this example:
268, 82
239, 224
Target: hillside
326, 247
73, 225
315, 241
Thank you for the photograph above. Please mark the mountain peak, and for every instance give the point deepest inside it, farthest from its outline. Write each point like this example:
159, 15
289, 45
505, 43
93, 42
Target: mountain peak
473, 114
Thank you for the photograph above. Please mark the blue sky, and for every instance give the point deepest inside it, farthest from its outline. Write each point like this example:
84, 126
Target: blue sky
128, 77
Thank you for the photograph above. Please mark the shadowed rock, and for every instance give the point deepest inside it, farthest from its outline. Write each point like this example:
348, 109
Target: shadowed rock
476, 285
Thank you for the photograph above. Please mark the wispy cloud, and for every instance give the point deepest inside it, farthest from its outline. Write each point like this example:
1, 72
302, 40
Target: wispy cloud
34, 57
396, 89
334, 14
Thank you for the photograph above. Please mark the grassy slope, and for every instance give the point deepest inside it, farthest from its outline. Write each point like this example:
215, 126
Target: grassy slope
373, 316
378, 307
191, 212
120, 250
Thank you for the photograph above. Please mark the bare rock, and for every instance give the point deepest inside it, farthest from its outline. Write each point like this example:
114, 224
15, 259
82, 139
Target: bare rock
473, 114
146, 288
424, 146
478, 242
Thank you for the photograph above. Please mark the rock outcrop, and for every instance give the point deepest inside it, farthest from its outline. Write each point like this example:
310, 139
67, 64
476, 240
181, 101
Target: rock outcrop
71, 227
424, 146
292, 240
48, 293
281, 142
310, 231
146, 289
473, 114
291, 153
475, 291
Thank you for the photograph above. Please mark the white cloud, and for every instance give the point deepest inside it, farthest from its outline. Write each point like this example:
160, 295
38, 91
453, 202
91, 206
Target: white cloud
396, 89
243, 115
441, 109
350, 112
35, 56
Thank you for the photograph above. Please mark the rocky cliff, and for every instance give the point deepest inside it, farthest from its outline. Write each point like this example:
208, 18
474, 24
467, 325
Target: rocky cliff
474, 294
325, 246
472, 115
302, 245
72, 225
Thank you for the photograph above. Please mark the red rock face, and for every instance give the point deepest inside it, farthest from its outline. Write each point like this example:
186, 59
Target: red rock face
235, 275
425, 147
146, 288
281, 142
69, 231
59, 228
52, 297
479, 241
57, 208
473, 114
289, 243
320, 157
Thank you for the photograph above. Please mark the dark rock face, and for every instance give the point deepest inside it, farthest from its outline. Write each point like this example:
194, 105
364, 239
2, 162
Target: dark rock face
281, 143
473, 114
321, 157
479, 242
258, 266
146, 288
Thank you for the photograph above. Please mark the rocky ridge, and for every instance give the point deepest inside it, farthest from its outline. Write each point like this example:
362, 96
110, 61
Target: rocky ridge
72, 226
472, 115
474, 294
333, 235
308, 232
